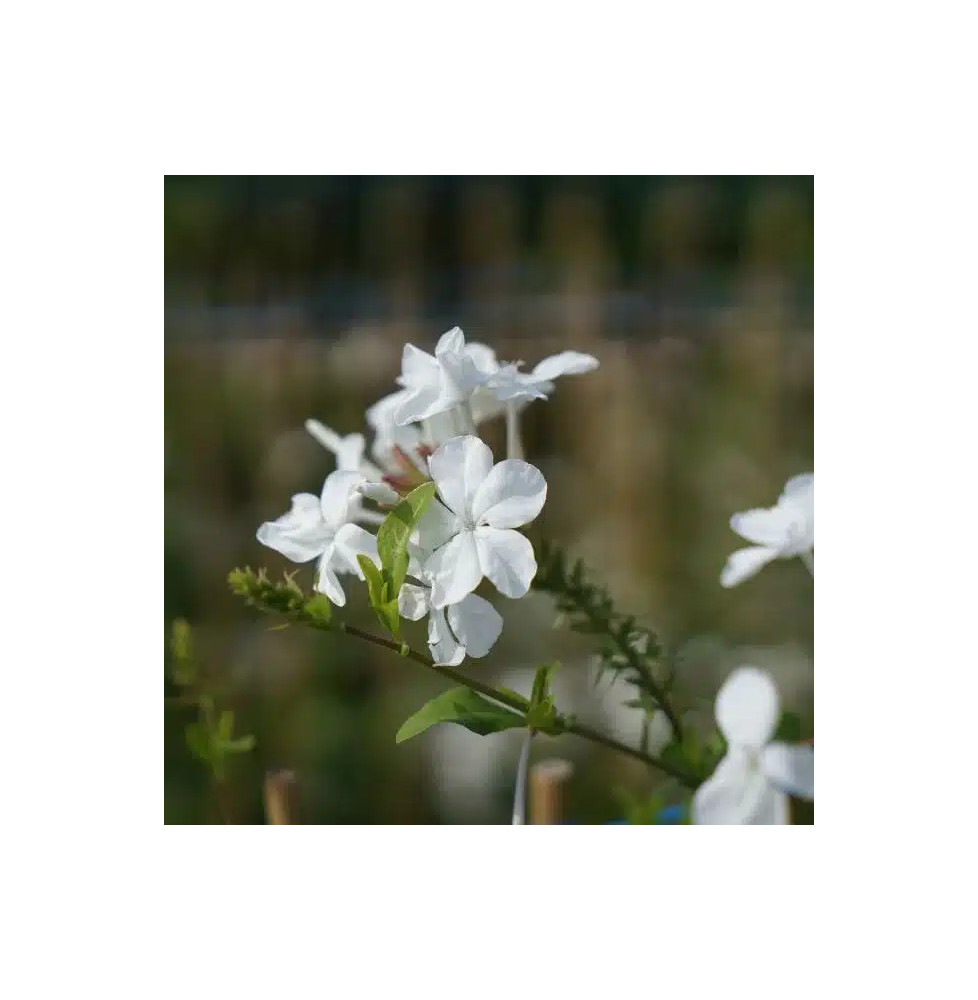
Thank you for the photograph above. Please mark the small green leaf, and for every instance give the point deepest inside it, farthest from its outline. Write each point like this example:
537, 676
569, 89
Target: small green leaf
393, 534
375, 582
464, 707
240, 745
541, 682
390, 617
225, 726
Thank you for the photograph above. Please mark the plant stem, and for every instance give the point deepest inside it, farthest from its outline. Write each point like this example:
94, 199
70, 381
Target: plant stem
514, 443
520, 704
519, 795
681, 775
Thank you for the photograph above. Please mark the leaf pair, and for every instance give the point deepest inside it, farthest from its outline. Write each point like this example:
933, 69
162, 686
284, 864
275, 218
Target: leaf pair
212, 742
384, 584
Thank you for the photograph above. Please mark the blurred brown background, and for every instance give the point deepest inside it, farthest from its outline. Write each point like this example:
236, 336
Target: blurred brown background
291, 297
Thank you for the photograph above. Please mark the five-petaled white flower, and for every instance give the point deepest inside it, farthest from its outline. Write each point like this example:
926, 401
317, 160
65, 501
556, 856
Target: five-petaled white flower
787, 529
469, 628
509, 384
750, 783
323, 527
468, 527
436, 383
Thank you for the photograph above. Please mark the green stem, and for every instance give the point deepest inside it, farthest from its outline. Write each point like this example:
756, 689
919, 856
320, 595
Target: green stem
520, 704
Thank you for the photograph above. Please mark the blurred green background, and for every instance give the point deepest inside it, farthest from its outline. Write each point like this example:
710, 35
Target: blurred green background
291, 297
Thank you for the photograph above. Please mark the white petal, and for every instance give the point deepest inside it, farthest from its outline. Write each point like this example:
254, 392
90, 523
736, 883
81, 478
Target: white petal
445, 650
421, 403
437, 526
412, 602
452, 342
476, 623
744, 563
511, 495
337, 494
326, 436
459, 468
800, 486
327, 581
350, 453
764, 526
483, 357
565, 363
379, 493
790, 768
738, 794
418, 368
301, 534
352, 541
453, 570
747, 708
381, 414
506, 557
462, 374
720, 799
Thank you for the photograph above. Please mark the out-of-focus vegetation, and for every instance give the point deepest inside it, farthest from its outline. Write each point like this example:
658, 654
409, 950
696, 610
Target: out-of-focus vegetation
289, 298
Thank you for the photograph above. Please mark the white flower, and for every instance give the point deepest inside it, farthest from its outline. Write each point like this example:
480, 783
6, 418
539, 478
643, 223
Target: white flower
509, 384
468, 526
469, 628
390, 438
779, 532
323, 527
750, 782
434, 384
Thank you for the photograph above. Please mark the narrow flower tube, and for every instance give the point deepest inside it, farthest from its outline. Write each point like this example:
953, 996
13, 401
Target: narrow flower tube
519, 795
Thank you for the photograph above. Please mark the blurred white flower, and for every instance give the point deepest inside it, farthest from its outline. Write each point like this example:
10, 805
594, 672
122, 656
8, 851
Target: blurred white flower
509, 384
750, 783
469, 628
348, 450
780, 532
323, 527
467, 528
514, 389
436, 383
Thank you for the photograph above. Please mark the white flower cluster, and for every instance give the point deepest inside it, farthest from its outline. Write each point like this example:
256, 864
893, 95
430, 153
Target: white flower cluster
427, 429
752, 782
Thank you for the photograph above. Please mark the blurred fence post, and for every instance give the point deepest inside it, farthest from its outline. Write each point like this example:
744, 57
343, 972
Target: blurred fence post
548, 791
280, 798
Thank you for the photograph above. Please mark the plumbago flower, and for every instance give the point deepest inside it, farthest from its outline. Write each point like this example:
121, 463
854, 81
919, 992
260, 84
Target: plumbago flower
468, 527
322, 528
469, 628
438, 383
509, 384
750, 783
780, 532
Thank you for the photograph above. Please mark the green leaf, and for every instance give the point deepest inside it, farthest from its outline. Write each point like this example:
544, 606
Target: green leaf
393, 534
240, 745
541, 682
375, 582
464, 707
319, 609
390, 617
225, 726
